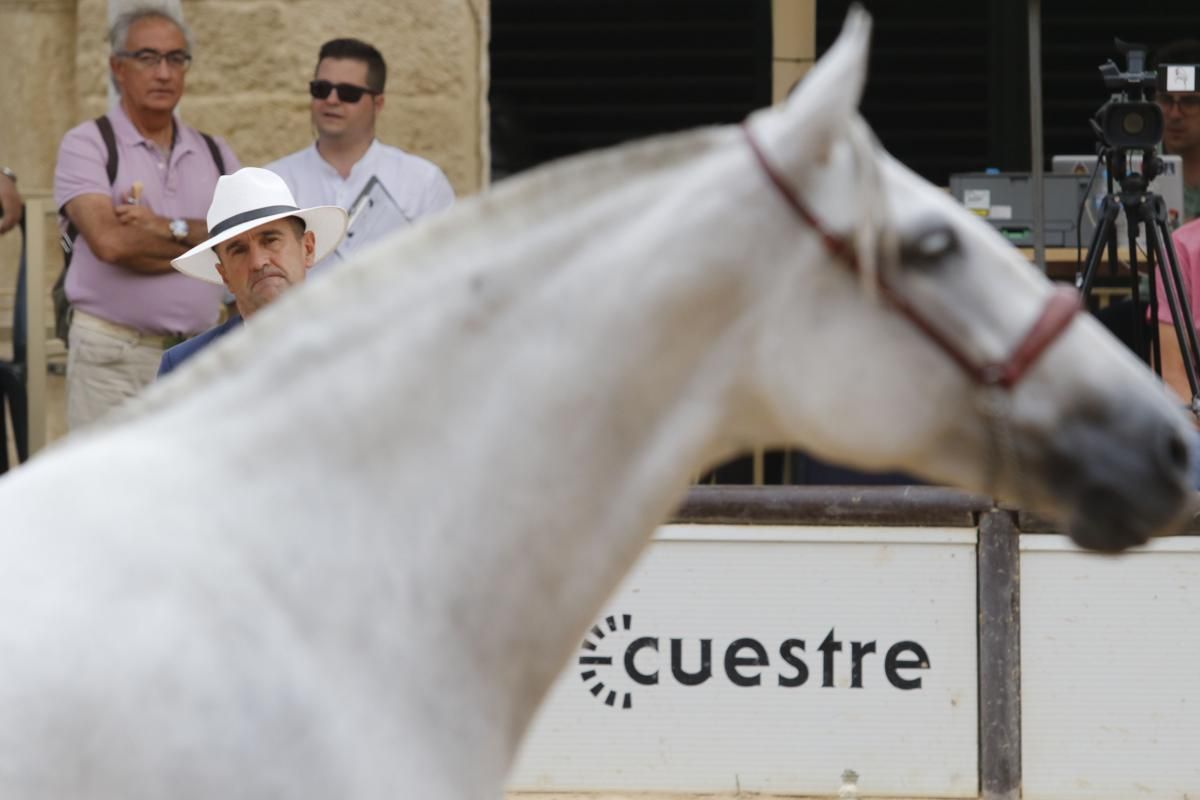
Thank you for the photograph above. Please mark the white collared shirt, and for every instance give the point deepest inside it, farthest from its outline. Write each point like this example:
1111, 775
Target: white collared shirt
417, 187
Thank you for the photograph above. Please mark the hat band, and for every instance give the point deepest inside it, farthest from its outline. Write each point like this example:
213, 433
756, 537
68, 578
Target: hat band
247, 216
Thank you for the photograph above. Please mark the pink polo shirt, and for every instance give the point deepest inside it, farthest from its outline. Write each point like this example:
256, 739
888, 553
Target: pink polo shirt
181, 186
1187, 249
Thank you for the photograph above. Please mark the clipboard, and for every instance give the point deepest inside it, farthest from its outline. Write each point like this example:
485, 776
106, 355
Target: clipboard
373, 214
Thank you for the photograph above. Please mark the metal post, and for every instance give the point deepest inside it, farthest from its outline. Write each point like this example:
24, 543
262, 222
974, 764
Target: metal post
1035, 133
999, 570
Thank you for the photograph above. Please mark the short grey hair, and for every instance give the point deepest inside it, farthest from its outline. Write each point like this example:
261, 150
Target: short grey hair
118, 34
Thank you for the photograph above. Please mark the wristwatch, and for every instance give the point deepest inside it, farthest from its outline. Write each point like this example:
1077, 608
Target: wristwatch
8, 173
179, 229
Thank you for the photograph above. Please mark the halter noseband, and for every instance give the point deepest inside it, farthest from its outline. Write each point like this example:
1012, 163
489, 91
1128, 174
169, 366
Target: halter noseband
1056, 315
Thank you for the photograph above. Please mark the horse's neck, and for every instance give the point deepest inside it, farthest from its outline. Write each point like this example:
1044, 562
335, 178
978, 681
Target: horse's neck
564, 403
487, 447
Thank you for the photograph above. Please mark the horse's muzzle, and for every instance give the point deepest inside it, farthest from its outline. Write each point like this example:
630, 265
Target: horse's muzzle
1132, 479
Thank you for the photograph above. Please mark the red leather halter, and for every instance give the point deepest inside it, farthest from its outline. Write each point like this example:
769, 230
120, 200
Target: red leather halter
1056, 315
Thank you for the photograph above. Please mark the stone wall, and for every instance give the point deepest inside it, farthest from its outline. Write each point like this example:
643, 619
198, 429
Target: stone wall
37, 104
249, 81
37, 76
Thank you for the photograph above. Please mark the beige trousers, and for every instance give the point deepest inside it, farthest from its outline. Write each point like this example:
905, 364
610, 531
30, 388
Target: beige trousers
106, 365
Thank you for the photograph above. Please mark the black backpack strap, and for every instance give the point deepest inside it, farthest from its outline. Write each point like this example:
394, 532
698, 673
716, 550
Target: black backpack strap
110, 166
110, 141
216, 152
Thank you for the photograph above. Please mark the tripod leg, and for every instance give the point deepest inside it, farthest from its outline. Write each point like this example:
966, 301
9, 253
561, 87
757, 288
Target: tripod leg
1154, 268
1179, 305
1106, 231
1133, 223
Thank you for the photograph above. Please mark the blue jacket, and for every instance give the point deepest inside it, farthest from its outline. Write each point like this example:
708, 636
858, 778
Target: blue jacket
181, 352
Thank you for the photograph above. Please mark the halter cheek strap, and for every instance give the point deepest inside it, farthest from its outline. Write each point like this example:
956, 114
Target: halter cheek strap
1056, 314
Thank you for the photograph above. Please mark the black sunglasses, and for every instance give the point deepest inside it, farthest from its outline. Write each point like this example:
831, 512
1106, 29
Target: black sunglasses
347, 92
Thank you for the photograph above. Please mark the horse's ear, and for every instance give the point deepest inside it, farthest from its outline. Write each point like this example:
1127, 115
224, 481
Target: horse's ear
829, 94
836, 80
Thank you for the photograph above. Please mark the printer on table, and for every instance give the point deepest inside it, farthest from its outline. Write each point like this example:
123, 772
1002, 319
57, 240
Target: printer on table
1005, 201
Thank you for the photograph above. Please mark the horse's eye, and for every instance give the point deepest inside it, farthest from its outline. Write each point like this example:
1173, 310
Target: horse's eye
929, 246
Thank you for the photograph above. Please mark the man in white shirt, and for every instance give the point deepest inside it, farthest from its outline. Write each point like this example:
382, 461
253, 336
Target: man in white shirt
382, 188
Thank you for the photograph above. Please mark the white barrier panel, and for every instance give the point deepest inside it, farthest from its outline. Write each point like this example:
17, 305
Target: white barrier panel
770, 659
1110, 671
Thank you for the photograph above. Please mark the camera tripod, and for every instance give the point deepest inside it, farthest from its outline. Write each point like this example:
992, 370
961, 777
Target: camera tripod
1144, 210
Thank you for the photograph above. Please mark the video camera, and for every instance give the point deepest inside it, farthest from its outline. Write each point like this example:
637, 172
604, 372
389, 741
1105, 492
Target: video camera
1128, 120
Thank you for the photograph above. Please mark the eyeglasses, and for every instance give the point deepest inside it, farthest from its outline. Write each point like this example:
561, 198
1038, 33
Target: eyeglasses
147, 58
1187, 103
347, 92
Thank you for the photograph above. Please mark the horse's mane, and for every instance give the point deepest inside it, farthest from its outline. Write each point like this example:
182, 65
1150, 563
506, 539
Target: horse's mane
422, 253
569, 180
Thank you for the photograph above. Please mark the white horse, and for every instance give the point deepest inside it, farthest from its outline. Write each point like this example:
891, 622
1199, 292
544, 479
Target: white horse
346, 553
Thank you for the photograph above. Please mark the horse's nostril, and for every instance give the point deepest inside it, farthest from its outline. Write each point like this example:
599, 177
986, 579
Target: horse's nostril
1177, 452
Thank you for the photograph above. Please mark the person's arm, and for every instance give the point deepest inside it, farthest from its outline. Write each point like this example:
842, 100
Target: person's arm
10, 201
161, 226
142, 242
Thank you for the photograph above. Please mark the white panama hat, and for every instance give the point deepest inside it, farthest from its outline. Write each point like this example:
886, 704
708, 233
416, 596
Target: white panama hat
246, 199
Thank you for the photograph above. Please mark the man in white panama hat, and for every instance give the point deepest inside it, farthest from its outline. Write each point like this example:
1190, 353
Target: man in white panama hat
260, 243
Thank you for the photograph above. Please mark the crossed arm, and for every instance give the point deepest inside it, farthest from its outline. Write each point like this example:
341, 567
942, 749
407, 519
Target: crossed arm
130, 236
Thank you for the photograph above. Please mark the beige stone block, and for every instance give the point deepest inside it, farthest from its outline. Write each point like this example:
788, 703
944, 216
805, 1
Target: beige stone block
92, 106
38, 6
38, 69
785, 75
260, 127
429, 47
794, 29
434, 128
227, 63
91, 48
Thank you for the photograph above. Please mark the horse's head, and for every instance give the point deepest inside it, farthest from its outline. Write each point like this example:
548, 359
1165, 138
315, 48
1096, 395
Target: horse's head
921, 355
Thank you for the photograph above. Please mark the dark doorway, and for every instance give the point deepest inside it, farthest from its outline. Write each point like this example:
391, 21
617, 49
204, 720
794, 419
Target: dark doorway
573, 76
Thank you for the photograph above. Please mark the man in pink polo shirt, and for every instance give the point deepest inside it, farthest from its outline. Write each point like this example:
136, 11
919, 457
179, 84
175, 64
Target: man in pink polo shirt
129, 304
